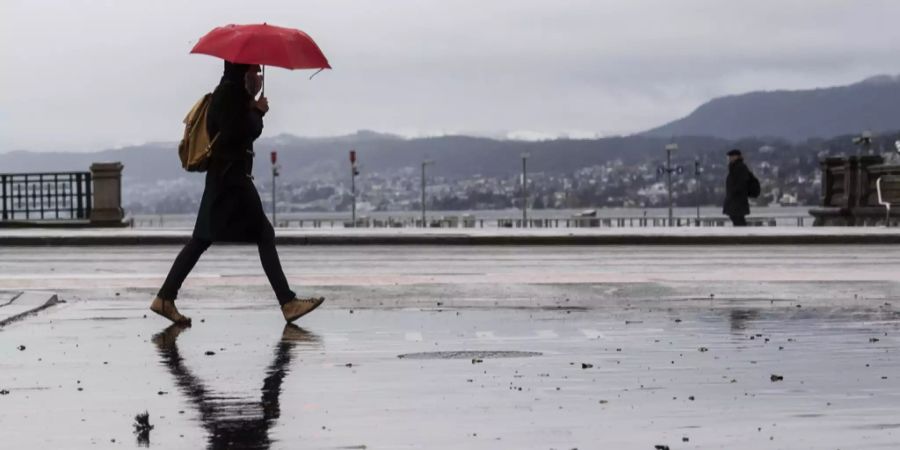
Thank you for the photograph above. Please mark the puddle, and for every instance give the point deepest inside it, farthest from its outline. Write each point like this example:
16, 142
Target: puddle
469, 354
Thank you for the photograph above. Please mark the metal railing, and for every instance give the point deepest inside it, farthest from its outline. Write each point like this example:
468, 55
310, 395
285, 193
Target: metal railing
45, 196
161, 221
565, 222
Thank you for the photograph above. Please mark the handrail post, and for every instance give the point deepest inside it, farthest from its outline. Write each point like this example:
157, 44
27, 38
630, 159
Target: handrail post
104, 189
3, 198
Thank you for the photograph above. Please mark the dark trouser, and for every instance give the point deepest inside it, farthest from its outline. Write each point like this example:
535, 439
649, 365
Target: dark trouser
738, 221
191, 252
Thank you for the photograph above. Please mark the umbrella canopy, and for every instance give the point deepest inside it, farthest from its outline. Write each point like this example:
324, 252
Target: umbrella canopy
263, 44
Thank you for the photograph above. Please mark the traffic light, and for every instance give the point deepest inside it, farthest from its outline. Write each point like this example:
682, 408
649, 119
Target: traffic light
353, 162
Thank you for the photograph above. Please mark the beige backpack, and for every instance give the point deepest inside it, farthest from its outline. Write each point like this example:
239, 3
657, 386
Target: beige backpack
196, 146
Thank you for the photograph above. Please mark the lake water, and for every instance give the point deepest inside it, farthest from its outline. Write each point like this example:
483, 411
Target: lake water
783, 215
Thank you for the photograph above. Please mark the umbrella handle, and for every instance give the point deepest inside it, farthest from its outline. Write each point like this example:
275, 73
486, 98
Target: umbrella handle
263, 81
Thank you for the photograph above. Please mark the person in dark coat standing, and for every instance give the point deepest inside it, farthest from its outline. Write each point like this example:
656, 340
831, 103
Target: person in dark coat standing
230, 209
737, 197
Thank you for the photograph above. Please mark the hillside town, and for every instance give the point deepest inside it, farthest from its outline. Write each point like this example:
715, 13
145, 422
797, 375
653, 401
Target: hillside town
787, 179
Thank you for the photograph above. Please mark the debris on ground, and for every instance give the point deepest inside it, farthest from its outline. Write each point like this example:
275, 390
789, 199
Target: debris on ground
775, 378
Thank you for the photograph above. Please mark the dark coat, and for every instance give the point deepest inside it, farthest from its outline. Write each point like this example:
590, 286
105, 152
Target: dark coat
737, 198
231, 210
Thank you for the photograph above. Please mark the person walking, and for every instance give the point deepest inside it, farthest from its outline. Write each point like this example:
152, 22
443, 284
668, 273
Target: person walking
737, 186
230, 209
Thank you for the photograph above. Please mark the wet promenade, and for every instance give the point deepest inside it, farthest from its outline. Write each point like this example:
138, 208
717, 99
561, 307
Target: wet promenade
526, 347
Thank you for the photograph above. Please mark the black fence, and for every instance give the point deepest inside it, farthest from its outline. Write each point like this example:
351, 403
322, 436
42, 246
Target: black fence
45, 196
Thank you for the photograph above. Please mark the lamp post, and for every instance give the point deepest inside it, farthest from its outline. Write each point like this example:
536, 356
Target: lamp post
697, 186
274, 157
863, 146
427, 162
863, 143
669, 149
525, 190
353, 173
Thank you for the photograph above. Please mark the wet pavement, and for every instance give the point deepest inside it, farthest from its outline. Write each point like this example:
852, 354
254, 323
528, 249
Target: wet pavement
598, 236
531, 348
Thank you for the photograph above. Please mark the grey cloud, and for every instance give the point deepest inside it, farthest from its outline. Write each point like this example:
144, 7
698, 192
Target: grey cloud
89, 74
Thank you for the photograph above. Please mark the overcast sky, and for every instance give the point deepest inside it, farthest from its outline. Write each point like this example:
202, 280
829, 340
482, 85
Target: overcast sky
86, 75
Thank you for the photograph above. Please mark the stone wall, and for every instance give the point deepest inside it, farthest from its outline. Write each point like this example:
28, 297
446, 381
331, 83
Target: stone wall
849, 194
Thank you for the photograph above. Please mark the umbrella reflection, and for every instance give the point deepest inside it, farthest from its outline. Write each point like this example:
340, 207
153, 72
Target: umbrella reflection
234, 422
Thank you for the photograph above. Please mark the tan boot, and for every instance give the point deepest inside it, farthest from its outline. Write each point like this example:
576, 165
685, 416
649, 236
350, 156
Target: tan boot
293, 334
300, 307
167, 309
166, 339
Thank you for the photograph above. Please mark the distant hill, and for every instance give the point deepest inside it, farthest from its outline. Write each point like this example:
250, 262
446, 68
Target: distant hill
873, 104
327, 158
613, 171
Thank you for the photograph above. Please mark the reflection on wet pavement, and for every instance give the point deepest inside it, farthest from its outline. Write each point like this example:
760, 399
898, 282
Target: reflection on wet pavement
234, 422
699, 374
627, 348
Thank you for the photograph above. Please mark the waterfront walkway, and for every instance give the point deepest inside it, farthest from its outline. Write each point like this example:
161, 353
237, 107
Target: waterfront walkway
461, 236
757, 347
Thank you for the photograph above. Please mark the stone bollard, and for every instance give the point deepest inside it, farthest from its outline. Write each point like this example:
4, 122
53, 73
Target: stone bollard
107, 204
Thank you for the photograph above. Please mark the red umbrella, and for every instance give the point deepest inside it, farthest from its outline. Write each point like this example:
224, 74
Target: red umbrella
263, 44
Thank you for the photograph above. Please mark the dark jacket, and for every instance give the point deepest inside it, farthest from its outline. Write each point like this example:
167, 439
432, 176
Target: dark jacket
230, 209
737, 198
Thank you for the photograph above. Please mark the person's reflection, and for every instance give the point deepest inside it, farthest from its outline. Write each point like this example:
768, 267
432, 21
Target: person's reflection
234, 422
739, 318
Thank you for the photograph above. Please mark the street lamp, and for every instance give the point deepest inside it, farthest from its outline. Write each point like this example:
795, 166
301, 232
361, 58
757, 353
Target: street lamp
274, 157
669, 149
525, 190
697, 186
353, 173
427, 162
863, 146
863, 143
